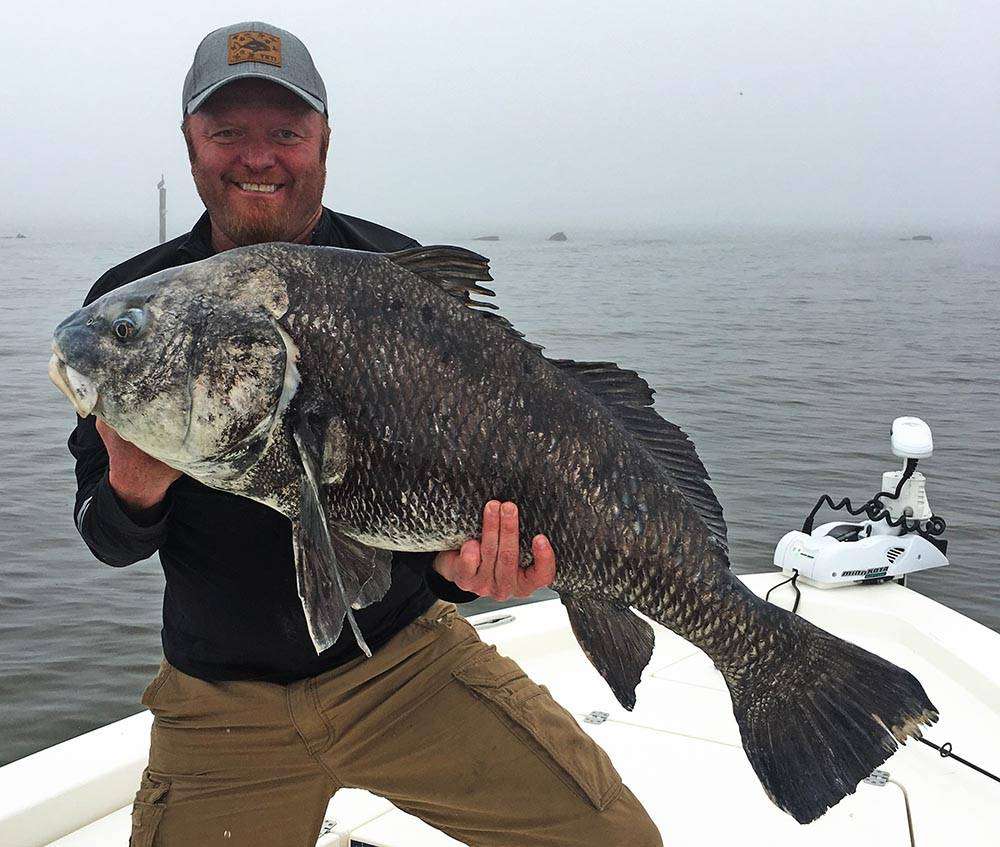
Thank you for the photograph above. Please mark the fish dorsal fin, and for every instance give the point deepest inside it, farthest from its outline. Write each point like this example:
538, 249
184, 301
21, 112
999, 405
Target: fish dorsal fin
458, 272
631, 399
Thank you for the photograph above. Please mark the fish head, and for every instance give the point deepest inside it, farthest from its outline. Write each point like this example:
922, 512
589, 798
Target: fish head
189, 364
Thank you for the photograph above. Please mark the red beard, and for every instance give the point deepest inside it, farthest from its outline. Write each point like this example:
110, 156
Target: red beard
257, 222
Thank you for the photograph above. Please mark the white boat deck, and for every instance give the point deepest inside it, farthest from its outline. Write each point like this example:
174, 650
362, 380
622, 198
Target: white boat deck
679, 749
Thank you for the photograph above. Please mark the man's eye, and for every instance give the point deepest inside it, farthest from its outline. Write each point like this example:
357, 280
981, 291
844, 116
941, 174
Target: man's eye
287, 134
225, 134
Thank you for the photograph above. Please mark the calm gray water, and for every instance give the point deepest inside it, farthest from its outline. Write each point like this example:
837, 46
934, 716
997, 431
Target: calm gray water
784, 356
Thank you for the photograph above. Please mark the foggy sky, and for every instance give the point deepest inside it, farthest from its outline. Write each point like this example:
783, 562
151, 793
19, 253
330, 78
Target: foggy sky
478, 117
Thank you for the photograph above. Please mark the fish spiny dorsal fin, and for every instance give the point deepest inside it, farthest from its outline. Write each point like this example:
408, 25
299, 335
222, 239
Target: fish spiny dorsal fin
454, 269
457, 271
629, 396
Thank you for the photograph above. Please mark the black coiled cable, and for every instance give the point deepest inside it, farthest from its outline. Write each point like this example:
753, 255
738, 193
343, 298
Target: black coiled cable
875, 511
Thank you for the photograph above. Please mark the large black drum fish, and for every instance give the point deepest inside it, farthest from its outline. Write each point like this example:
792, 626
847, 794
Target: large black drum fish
371, 400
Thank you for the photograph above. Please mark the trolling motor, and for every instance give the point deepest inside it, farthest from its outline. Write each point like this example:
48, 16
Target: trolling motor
899, 534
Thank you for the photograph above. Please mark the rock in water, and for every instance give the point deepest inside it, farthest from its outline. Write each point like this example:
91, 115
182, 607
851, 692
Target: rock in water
557, 236
371, 400
486, 238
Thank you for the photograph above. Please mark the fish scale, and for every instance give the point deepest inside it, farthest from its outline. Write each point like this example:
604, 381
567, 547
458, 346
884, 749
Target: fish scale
374, 402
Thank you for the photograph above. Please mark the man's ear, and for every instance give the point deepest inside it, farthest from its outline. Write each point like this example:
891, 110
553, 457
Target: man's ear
186, 132
325, 145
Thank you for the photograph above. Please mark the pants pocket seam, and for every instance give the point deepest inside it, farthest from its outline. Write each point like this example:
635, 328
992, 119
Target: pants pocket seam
519, 732
514, 709
147, 810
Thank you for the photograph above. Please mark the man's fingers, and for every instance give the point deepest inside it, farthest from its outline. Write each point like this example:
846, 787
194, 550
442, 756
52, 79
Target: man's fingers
460, 566
508, 555
543, 568
490, 567
490, 542
465, 567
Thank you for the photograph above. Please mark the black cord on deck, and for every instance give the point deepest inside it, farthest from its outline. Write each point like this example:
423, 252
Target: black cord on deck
798, 594
945, 751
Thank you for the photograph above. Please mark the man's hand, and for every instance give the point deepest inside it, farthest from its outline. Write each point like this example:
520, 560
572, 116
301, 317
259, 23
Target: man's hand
139, 480
490, 568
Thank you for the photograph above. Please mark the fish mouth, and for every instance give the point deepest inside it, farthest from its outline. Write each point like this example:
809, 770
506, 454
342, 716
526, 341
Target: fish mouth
80, 390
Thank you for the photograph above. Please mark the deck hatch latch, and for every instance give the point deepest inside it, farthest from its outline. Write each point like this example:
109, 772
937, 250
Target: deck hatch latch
877, 777
489, 623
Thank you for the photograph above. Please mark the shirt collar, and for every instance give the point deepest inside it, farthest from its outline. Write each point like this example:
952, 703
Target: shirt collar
198, 243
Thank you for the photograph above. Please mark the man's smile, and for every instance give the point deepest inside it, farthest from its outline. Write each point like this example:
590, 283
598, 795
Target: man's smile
258, 187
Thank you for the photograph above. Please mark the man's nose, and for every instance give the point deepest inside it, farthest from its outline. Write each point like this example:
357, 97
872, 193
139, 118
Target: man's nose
258, 155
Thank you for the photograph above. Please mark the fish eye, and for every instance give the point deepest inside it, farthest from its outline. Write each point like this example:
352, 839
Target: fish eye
127, 325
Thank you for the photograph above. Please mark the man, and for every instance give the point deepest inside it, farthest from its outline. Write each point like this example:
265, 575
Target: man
253, 731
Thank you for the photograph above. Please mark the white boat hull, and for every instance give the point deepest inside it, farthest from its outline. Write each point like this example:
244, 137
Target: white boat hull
679, 750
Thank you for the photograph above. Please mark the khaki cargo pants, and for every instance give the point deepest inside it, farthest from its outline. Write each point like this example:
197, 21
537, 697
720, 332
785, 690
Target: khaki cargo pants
437, 722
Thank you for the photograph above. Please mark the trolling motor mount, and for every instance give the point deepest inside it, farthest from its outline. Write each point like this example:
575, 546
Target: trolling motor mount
898, 536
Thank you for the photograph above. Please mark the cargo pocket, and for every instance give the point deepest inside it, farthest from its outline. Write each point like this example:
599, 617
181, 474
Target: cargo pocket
546, 727
147, 809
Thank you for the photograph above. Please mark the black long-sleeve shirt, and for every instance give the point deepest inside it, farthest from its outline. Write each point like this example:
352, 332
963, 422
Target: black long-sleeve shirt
231, 609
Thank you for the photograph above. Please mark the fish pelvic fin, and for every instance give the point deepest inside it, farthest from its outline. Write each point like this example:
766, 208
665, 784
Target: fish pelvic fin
818, 716
617, 641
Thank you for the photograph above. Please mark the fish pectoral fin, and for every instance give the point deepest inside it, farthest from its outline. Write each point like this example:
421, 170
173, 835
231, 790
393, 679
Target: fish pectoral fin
329, 582
617, 641
322, 435
323, 600
324, 448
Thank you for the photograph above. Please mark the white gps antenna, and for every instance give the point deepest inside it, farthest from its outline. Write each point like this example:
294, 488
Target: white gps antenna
911, 438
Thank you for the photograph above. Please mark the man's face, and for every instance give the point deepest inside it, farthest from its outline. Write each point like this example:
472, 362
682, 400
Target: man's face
258, 158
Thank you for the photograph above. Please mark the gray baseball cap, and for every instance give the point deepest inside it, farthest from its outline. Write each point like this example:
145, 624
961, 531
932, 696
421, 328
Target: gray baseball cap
256, 50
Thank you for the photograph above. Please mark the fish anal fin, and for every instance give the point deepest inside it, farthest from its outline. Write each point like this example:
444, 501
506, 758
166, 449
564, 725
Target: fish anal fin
617, 641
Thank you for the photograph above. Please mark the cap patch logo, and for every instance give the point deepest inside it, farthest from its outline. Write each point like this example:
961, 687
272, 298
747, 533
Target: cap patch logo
255, 47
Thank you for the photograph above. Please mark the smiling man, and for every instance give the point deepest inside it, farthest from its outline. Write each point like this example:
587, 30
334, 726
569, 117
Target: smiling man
258, 155
253, 731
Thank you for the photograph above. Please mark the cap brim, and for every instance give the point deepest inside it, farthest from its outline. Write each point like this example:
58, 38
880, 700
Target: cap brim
196, 102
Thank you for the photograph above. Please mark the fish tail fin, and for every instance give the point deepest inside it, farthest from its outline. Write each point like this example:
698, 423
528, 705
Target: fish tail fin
819, 716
